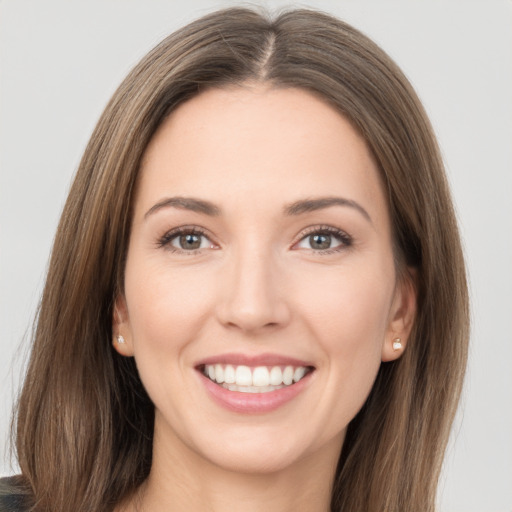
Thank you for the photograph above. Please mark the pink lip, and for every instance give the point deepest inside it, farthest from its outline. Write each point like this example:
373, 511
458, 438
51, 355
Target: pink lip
253, 360
253, 403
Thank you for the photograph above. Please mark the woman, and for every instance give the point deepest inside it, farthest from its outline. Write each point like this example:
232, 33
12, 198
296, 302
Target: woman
261, 228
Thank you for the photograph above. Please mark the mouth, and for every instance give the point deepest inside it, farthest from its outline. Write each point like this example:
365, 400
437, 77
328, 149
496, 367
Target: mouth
254, 384
256, 379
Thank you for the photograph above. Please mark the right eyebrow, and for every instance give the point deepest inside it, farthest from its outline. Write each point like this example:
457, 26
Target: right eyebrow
185, 203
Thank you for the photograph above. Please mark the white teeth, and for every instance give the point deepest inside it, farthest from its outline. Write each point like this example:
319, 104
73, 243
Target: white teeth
260, 379
288, 375
219, 373
276, 376
297, 374
260, 376
251, 389
229, 374
243, 376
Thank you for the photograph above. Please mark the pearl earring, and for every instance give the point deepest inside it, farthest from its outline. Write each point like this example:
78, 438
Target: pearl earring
397, 344
120, 339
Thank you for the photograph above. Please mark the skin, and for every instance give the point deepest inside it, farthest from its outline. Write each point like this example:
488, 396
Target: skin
257, 285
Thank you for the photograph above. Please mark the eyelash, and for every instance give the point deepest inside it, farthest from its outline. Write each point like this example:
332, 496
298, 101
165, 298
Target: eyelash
345, 239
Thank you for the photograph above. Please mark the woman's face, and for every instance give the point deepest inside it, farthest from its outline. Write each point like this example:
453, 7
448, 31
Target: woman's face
260, 288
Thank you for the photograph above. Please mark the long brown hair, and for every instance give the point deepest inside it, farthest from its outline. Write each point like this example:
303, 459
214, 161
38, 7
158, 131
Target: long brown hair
84, 421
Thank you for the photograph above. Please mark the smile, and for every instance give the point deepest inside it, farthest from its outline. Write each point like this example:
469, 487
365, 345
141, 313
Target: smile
254, 384
259, 379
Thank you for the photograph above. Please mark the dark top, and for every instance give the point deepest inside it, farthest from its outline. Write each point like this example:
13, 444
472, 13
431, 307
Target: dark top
12, 497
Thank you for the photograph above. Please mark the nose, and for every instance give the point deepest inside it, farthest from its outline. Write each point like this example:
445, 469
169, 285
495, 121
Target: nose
252, 297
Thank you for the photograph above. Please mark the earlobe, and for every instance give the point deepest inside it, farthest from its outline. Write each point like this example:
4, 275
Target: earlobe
121, 335
402, 316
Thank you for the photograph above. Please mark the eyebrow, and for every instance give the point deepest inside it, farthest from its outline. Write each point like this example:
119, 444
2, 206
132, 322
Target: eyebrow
311, 205
292, 209
186, 203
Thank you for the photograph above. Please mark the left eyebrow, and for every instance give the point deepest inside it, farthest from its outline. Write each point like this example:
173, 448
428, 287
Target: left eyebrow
311, 205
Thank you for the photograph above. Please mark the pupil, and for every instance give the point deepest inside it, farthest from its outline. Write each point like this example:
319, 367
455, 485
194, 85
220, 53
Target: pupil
320, 241
190, 241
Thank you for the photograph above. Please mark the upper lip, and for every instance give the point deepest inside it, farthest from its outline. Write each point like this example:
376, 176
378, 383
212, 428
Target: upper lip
267, 359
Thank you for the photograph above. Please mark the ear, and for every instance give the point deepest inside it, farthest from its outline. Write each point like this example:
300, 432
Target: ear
121, 332
402, 316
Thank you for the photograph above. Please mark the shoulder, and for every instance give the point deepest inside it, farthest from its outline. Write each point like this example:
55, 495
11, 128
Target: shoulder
12, 496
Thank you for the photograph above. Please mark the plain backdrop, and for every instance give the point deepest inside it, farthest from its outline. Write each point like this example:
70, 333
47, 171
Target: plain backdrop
59, 63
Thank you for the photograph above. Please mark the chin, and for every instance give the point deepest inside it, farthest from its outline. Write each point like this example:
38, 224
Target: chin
263, 450
254, 460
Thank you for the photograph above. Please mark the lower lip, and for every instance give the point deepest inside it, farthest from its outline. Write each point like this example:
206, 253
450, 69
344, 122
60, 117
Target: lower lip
254, 403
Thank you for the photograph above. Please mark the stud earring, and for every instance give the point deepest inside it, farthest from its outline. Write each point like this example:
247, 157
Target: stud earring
120, 339
397, 344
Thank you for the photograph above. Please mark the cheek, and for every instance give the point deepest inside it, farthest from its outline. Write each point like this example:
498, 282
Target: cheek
349, 322
347, 311
165, 305
348, 299
164, 310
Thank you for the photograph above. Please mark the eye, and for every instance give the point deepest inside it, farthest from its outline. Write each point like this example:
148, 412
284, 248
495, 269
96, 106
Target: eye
186, 240
325, 239
189, 242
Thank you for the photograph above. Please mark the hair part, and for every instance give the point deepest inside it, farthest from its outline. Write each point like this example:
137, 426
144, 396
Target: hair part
85, 423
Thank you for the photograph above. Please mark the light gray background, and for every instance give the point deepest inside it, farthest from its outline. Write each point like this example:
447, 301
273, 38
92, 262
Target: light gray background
59, 63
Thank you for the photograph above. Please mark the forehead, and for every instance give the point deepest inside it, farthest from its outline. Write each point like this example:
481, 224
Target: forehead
251, 142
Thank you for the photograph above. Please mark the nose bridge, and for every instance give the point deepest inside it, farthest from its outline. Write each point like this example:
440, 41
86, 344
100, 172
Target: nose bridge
252, 296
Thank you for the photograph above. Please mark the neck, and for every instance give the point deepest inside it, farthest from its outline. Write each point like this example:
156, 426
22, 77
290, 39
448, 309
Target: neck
180, 479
